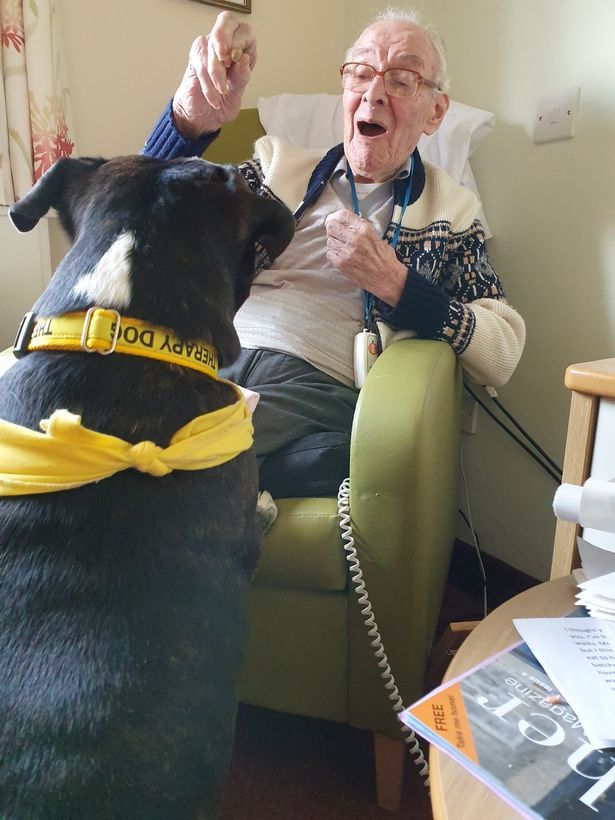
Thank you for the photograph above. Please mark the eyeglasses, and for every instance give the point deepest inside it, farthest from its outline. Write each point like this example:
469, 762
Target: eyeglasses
398, 82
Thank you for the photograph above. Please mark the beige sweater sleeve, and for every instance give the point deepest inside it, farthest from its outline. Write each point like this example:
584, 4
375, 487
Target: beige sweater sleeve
497, 342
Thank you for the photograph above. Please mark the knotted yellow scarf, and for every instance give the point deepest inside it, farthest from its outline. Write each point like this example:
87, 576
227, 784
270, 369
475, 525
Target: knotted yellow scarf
67, 455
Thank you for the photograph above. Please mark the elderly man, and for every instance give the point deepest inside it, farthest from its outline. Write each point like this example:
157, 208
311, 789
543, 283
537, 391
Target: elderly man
384, 243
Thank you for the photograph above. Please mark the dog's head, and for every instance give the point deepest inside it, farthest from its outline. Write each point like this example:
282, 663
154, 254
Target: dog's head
171, 242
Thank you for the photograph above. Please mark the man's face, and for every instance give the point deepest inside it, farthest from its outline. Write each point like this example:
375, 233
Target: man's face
380, 132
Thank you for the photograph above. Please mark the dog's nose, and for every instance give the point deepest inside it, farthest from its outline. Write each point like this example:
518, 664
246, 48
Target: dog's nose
144, 457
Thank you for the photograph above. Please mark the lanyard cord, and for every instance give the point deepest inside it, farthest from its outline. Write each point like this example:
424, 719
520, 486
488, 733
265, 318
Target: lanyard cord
368, 298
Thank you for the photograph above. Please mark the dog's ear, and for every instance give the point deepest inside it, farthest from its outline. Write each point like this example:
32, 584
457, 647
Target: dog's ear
267, 224
52, 191
273, 225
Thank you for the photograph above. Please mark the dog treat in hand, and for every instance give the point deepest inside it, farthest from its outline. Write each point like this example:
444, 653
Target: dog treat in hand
236, 53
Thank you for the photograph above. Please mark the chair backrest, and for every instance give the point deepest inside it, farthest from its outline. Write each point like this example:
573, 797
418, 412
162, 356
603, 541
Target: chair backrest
236, 140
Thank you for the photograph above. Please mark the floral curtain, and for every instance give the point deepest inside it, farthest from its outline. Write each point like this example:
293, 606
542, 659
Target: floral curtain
35, 120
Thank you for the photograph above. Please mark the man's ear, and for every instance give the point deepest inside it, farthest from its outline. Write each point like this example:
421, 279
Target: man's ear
53, 190
440, 107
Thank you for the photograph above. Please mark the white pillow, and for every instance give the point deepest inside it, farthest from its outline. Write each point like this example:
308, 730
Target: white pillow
315, 121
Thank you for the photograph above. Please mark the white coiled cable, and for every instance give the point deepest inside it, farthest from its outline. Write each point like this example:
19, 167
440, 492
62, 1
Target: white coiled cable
343, 507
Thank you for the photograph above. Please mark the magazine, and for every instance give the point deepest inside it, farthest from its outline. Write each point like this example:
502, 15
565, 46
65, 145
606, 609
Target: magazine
578, 655
505, 722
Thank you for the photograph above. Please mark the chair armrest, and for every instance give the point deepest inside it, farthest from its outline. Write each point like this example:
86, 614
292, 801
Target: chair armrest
404, 462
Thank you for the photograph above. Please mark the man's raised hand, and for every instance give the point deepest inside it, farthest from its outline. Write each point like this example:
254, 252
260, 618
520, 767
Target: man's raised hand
219, 67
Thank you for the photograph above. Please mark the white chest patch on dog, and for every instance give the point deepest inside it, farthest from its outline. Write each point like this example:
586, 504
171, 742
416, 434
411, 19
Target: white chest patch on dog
108, 284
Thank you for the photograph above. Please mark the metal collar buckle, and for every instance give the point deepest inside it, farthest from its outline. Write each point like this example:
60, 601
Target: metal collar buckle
24, 334
89, 316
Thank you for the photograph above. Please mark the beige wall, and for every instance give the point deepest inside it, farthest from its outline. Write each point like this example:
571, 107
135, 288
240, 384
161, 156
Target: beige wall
25, 268
552, 210
125, 58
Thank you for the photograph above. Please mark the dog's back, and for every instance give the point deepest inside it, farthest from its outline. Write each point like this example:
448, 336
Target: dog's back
122, 602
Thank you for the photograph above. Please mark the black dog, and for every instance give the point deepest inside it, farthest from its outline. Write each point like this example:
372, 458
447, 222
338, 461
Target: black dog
122, 601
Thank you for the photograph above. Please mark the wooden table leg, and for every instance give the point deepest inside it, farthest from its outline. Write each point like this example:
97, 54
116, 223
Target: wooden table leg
390, 756
577, 464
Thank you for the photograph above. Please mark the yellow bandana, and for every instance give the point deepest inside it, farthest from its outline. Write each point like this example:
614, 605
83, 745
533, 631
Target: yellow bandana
67, 455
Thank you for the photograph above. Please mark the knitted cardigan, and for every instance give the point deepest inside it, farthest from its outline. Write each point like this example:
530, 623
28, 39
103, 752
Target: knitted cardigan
452, 292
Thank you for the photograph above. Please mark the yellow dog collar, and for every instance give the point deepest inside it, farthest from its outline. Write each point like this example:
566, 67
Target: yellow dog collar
105, 331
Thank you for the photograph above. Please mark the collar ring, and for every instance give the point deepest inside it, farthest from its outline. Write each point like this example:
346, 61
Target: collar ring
89, 317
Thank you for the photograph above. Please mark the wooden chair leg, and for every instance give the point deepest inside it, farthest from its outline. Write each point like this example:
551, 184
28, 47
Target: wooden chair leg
390, 758
443, 652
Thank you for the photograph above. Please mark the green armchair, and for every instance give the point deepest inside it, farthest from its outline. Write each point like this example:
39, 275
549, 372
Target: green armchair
308, 651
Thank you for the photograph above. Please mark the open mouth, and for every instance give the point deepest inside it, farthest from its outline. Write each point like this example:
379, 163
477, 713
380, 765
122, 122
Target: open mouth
370, 129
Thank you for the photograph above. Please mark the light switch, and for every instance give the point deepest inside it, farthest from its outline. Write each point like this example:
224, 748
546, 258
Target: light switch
555, 115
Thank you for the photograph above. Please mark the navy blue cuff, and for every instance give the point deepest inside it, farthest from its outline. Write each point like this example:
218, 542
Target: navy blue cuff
165, 141
422, 307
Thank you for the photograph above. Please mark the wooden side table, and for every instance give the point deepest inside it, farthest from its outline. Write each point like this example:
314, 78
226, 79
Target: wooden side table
455, 793
588, 382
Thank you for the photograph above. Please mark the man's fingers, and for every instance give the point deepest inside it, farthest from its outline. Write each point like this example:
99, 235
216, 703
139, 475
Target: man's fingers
243, 42
230, 39
340, 223
198, 68
216, 68
221, 34
219, 49
239, 75
229, 43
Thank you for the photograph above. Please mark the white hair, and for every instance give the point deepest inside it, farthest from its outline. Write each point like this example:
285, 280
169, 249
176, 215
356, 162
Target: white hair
411, 17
